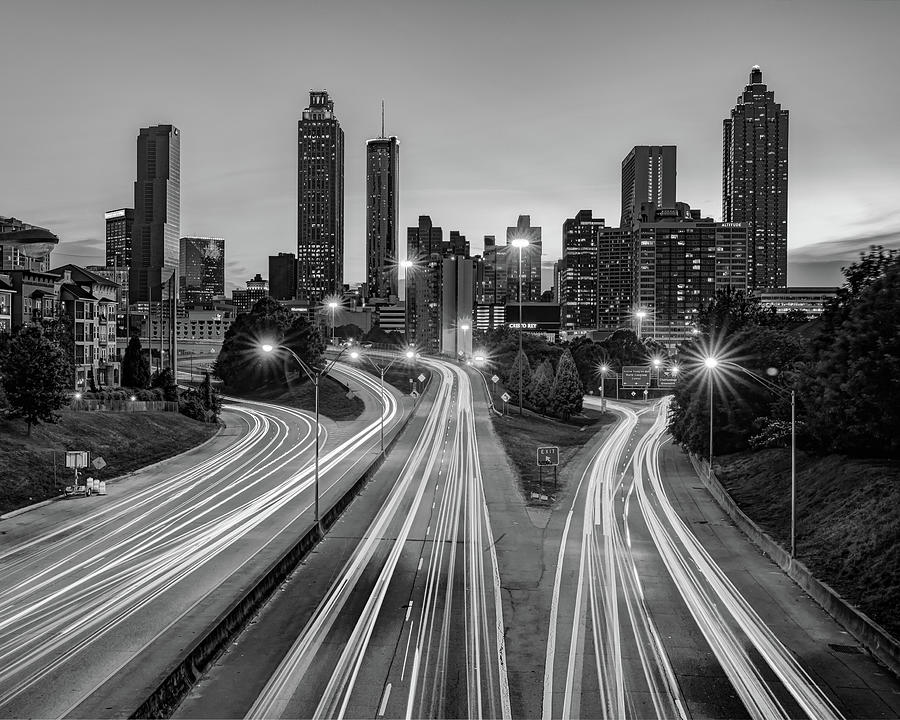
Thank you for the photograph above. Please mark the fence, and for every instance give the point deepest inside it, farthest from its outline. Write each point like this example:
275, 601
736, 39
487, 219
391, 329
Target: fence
84, 405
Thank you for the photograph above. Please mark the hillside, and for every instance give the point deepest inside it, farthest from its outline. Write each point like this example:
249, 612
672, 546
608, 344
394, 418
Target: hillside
34, 469
848, 520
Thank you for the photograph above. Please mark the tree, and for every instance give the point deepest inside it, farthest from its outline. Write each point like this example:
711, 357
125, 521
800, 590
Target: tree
348, 331
165, 381
242, 365
623, 348
58, 330
135, 366
520, 367
539, 391
202, 403
730, 311
35, 376
567, 391
588, 357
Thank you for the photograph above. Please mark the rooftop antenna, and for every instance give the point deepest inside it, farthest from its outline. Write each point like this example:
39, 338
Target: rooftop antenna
382, 118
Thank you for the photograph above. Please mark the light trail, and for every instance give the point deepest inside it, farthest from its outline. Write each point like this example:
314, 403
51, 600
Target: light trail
73, 586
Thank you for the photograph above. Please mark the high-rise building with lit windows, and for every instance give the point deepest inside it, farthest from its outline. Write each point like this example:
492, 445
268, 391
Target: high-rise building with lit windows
648, 176
755, 179
201, 269
531, 261
119, 234
382, 198
320, 200
157, 212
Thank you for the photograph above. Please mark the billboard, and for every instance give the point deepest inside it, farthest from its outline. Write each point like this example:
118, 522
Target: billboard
635, 375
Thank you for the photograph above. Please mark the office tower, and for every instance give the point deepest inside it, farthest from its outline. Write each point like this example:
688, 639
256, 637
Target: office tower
457, 245
457, 305
157, 212
648, 175
201, 269
119, 233
755, 179
382, 198
283, 276
580, 276
615, 271
320, 200
256, 290
531, 261
488, 292
679, 266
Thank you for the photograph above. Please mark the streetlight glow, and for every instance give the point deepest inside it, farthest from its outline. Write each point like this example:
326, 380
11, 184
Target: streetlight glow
463, 327
354, 354
711, 362
267, 348
406, 264
640, 314
520, 243
410, 354
657, 362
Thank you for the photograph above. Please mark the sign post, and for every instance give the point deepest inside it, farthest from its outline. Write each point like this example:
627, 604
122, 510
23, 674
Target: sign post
505, 397
635, 376
547, 456
495, 379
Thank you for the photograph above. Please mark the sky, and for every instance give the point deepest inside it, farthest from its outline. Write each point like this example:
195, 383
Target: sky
502, 108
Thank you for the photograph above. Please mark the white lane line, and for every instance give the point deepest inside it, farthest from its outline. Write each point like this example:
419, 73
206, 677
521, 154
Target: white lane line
406, 654
420, 564
408, 610
384, 700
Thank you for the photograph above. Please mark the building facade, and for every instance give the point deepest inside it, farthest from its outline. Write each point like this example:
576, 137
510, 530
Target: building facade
382, 207
755, 179
578, 274
201, 269
24, 246
648, 175
531, 261
119, 237
811, 301
320, 200
6, 293
256, 290
457, 305
157, 212
283, 276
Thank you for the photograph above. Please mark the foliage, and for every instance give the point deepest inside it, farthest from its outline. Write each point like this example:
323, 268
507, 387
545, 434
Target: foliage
623, 347
135, 366
567, 391
588, 357
521, 368
58, 330
243, 366
730, 311
774, 433
164, 380
197, 403
348, 331
381, 337
540, 388
851, 392
36, 373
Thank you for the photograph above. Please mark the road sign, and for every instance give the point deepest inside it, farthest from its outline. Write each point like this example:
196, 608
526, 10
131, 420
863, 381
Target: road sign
414, 393
350, 394
421, 377
495, 379
76, 458
99, 463
547, 455
635, 376
505, 397
667, 377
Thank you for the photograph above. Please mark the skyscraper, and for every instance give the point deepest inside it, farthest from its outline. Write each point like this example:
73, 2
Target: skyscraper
648, 175
157, 212
119, 234
755, 179
531, 261
201, 269
382, 198
320, 200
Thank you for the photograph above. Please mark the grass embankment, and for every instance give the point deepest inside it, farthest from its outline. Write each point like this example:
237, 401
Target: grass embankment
848, 520
333, 401
34, 468
521, 436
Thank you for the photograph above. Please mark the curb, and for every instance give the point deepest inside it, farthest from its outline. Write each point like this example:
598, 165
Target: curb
181, 675
881, 644
43, 503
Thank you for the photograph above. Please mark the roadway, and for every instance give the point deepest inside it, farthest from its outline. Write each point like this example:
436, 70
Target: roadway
646, 621
399, 613
101, 593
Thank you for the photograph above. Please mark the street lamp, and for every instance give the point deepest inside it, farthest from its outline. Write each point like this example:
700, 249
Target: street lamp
314, 376
711, 364
333, 305
603, 370
640, 315
409, 354
783, 392
465, 327
520, 243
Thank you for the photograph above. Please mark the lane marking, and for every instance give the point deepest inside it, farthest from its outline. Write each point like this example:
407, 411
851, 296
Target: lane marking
384, 700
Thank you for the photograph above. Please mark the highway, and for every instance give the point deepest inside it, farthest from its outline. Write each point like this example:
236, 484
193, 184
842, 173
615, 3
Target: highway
90, 584
643, 621
407, 619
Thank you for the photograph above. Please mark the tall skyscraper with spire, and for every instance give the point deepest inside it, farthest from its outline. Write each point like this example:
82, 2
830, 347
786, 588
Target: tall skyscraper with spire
320, 200
755, 180
382, 198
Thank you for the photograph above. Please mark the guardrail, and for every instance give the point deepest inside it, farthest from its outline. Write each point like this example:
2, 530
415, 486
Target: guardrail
86, 405
878, 641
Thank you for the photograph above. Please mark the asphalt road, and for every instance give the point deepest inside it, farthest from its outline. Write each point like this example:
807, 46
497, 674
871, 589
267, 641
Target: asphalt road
646, 621
398, 613
99, 593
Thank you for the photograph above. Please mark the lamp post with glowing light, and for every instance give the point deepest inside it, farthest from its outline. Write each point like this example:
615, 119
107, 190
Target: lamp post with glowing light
640, 315
409, 355
520, 243
465, 327
603, 370
314, 376
711, 364
333, 305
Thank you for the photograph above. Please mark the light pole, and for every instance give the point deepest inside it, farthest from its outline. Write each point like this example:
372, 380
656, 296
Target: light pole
314, 376
333, 305
465, 329
640, 315
711, 364
783, 392
409, 355
603, 370
520, 243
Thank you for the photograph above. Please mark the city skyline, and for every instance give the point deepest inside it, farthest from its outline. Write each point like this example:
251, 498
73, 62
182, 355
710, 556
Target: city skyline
839, 203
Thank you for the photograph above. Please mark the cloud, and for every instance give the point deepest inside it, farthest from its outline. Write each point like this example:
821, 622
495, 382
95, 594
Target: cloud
821, 263
86, 251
